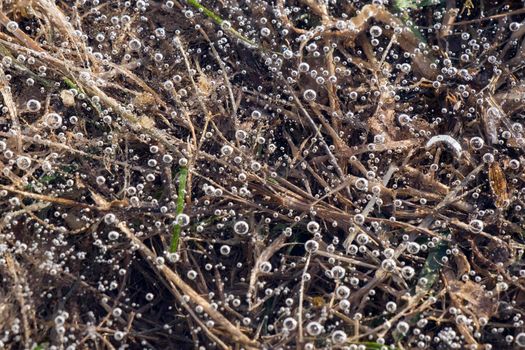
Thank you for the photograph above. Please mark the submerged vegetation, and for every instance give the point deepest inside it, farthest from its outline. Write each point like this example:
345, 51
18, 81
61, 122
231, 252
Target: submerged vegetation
285, 174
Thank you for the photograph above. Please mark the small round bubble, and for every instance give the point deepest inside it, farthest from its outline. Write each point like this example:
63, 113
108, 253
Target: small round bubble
309, 95
241, 227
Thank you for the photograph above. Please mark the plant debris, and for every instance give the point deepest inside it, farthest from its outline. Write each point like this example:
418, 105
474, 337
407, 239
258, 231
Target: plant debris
287, 174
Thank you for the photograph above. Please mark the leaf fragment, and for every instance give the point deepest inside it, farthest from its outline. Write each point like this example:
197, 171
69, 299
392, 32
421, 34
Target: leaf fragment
498, 185
432, 267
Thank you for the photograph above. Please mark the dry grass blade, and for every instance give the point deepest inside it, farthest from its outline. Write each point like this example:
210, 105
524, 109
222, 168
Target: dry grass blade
173, 277
262, 175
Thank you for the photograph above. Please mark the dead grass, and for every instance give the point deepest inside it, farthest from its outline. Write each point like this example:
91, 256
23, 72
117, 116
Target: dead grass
297, 138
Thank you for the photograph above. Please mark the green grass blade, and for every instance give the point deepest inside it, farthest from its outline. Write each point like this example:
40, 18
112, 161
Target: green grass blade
401, 5
218, 20
72, 85
403, 8
432, 267
370, 345
183, 175
209, 13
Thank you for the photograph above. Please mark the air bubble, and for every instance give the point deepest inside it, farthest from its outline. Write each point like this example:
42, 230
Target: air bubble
342, 292
134, 44
119, 335
402, 327
361, 184
408, 272
113, 235
304, 67
33, 105
110, 218
514, 26
362, 239
389, 265
23, 162
520, 340
241, 227
289, 323
265, 267
477, 143
494, 112
313, 227
192, 274
100, 180
413, 247
339, 337
359, 219
225, 250
338, 272
12, 26
309, 95
391, 306
182, 219
265, 31
376, 31
53, 120
314, 328
241, 135
117, 312
488, 158
311, 246
476, 226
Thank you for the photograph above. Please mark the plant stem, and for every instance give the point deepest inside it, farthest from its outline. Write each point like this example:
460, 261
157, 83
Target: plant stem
183, 175
218, 20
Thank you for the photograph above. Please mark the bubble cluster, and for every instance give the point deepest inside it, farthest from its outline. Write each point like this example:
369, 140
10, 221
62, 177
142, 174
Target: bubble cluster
262, 175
